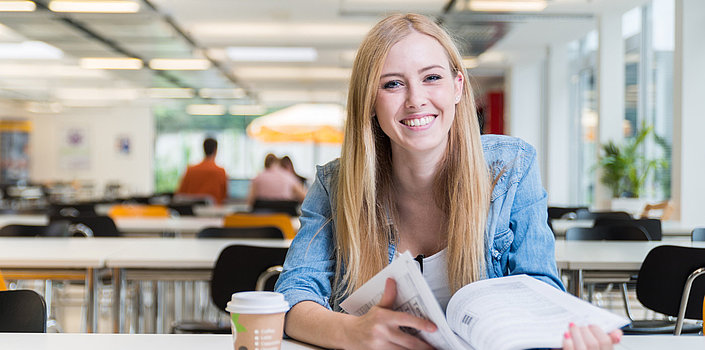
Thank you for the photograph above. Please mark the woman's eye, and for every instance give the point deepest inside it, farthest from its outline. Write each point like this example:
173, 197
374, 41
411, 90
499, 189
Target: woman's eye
433, 77
392, 84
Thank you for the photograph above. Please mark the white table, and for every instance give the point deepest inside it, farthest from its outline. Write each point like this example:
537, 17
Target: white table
668, 228
57, 259
611, 259
61, 341
54, 341
160, 259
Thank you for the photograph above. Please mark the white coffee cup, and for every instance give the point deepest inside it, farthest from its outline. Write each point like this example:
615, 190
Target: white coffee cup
257, 320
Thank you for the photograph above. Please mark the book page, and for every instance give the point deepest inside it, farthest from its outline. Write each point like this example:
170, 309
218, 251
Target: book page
413, 296
520, 312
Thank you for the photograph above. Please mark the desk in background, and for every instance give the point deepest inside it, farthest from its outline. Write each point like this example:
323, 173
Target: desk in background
670, 229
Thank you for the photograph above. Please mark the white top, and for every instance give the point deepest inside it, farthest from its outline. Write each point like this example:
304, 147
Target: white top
435, 274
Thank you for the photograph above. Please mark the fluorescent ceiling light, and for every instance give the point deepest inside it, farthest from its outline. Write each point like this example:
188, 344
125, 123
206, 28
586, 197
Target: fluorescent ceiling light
97, 94
205, 109
170, 93
247, 109
507, 5
286, 73
110, 63
29, 50
44, 107
295, 96
470, 62
107, 6
47, 71
17, 6
179, 64
261, 30
222, 93
272, 54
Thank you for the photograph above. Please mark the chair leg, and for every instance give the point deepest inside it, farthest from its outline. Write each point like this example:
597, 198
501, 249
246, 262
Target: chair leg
627, 305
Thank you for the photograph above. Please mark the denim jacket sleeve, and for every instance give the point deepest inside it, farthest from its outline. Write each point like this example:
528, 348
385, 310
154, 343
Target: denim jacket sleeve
521, 241
310, 262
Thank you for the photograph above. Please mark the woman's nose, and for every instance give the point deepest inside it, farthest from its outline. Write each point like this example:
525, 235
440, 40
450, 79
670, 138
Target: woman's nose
415, 96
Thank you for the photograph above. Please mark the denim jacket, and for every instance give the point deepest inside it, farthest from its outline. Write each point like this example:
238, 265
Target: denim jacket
517, 240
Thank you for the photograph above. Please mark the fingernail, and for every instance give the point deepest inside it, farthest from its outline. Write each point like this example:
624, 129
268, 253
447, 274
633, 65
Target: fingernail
571, 325
566, 335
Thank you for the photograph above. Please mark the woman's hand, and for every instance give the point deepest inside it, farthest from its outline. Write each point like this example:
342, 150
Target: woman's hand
379, 327
589, 337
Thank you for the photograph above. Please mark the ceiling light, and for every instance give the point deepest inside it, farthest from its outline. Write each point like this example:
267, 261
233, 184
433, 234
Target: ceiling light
222, 93
40, 107
179, 64
301, 73
29, 50
108, 6
259, 30
97, 94
470, 62
110, 63
507, 5
272, 54
170, 93
205, 109
17, 6
247, 109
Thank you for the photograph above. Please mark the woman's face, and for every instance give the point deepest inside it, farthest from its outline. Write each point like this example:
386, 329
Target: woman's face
417, 95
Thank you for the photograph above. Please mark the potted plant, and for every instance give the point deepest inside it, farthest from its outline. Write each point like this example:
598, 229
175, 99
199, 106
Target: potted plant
625, 170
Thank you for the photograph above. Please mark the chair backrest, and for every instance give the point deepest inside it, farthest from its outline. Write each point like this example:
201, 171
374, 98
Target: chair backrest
665, 208
22, 311
698, 234
282, 221
241, 232
585, 214
270, 206
652, 226
139, 210
238, 267
607, 233
662, 279
102, 226
3, 286
182, 209
561, 212
75, 209
22, 230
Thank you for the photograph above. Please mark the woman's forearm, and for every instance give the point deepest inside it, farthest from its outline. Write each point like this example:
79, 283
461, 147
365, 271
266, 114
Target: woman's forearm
312, 323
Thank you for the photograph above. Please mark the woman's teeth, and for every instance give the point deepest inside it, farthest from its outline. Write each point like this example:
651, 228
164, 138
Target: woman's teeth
417, 122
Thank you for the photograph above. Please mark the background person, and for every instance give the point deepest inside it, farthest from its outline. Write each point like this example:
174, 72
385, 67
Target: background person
275, 183
287, 164
206, 178
416, 175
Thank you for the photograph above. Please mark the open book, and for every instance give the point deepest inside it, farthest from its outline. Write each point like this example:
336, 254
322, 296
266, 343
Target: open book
515, 312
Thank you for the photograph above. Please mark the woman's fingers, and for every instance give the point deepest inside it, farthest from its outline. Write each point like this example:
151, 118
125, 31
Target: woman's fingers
389, 295
589, 337
616, 336
568, 341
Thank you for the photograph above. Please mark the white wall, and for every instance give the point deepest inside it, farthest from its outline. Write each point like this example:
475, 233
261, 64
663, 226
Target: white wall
104, 126
558, 175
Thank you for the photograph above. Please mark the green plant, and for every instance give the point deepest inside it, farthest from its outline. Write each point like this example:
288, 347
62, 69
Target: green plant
625, 168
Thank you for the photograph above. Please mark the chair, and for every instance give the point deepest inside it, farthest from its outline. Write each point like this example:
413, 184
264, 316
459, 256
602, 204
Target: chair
584, 214
668, 283
76, 209
241, 232
238, 268
56, 229
182, 209
563, 212
271, 206
607, 233
282, 221
652, 226
22, 311
698, 234
143, 210
99, 226
665, 207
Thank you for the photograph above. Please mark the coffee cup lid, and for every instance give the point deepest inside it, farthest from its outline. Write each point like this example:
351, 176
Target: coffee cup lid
257, 303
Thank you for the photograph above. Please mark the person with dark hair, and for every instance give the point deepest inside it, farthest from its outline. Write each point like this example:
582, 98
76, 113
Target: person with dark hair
275, 183
206, 178
287, 164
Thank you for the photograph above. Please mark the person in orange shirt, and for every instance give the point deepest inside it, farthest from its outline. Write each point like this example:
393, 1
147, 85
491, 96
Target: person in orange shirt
206, 178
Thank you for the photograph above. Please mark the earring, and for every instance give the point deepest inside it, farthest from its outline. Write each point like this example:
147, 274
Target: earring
457, 98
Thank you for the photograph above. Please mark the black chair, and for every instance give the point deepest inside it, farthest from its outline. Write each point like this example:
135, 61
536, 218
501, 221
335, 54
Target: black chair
668, 283
607, 233
74, 209
652, 226
585, 214
238, 268
22, 311
100, 226
269, 206
182, 209
563, 212
241, 232
698, 234
56, 229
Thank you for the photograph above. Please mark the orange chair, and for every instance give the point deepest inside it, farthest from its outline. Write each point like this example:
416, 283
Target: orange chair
3, 286
281, 221
665, 208
140, 210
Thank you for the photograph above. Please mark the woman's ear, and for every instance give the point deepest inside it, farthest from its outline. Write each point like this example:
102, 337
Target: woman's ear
458, 82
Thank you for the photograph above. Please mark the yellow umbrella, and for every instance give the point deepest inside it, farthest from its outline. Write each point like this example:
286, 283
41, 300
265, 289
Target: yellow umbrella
305, 122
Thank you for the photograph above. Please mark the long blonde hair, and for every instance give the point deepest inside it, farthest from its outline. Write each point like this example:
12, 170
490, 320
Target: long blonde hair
364, 202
